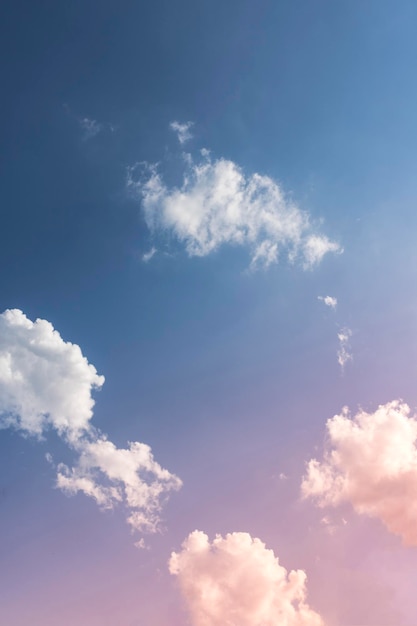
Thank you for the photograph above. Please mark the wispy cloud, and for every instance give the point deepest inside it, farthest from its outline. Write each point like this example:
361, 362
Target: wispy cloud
47, 383
183, 131
237, 580
344, 353
90, 127
371, 462
217, 205
147, 256
329, 301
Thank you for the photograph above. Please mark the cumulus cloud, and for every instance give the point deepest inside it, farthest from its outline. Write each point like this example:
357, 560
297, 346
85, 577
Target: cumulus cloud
217, 204
344, 353
44, 381
237, 581
371, 462
183, 131
329, 301
47, 383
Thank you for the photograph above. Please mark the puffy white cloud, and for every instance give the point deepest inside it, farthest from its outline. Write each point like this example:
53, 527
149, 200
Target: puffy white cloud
344, 352
217, 205
371, 462
183, 130
329, 301
237, 581
45, 383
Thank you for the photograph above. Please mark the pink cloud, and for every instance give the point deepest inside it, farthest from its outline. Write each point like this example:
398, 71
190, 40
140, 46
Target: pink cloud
237, 581
371, 462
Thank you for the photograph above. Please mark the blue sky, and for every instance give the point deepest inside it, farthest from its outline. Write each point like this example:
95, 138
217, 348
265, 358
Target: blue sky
228, 374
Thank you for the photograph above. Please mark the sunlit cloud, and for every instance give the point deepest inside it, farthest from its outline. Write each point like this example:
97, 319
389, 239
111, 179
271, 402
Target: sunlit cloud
236, 580
47, 383
371, 462
218, 205
147, 256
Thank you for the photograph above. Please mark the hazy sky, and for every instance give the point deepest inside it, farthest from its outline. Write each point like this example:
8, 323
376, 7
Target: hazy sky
208, 317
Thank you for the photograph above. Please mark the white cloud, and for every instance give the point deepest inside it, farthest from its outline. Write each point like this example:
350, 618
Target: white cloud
218, 205
147, 256
90, 127
371, 462
46, 383
110, 475
237, 581
329, 301
183, 131
344, 353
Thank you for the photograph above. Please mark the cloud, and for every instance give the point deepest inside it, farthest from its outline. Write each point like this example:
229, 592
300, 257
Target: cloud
182, 130
47, 383
148, 255
329, 301
371, 462
90, 127
237, 581
217, 205
344, 354
111, 475
44, 381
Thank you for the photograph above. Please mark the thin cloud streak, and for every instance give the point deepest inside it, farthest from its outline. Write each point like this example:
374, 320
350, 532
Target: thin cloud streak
344, 354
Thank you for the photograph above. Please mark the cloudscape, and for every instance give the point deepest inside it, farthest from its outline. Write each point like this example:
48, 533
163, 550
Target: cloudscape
208, 316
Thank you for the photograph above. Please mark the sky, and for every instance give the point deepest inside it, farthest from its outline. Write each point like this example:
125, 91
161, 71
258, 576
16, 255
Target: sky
208, 317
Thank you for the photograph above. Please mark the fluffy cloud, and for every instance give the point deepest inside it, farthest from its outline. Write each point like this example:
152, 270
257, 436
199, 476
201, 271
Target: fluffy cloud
371, 462
46, 383
183, 131
344, 354
329, 301
237, 581
110, 475
218, 205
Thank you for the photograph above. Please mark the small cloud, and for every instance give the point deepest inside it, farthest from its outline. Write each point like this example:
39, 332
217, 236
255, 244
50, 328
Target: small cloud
316, 246
283, 476
344, 354
331, 525
370, 461
329, 301
148, 255
182, 130
90, 127
236, 580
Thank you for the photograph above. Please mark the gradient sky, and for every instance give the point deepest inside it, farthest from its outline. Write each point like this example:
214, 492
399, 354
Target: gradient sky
228, 372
